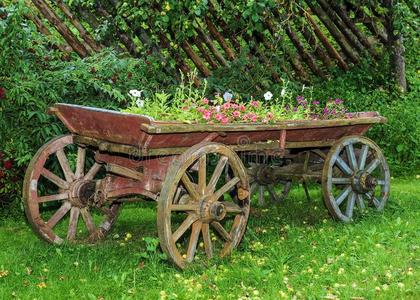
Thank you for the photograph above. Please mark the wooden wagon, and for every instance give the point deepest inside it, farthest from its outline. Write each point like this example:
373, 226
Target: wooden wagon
76, 183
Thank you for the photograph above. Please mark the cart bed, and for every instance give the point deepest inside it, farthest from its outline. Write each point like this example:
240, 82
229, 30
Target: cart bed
145, 132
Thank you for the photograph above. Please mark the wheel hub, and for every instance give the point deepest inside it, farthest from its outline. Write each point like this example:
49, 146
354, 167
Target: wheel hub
364, 182
212, 211
82, 192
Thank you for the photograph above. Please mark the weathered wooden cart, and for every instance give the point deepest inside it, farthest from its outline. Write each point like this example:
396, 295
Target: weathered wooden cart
75, 183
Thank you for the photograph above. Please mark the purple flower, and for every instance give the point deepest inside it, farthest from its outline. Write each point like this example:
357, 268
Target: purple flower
295, 108
286, 107
334, 112
299, 98
316, 102
338, 101
326, 110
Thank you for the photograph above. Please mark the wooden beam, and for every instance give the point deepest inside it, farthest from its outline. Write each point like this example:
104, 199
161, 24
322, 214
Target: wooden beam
65, 32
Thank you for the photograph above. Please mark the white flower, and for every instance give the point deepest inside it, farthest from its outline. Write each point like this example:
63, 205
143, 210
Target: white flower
218, 108
268, 95
140, 103
135, 93
227, 96
283, 92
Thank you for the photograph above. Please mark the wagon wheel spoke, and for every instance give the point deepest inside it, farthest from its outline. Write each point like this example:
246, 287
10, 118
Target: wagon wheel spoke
192, 244
221, 230
261, 200
184, 226
363, 156
202, 174
232, 207
205, 230
74, 218
343, 196
350, 205
274, 197
216, 174
80, 163
190, 187
373, 200
341, 180
64, 163
87, 218
253, 188
360, 202
344, 166
59, 214
373, 165
55, 179
55, 197
226, 188
351, 157
93, 171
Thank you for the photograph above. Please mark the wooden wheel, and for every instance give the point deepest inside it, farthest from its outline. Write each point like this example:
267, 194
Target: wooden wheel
355, 173
277, 191
191, 207
58, 194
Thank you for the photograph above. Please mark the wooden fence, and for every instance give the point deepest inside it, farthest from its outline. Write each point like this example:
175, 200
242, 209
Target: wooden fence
319, 36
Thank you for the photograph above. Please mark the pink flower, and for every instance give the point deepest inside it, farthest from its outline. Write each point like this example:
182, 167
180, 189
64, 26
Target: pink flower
226, 105
245, 117
219, 117
255, 103
269, 116
2, 93
205, 101
236, 114
207, 115
254, 118
225, 120
265, 120
235, 106
201, 109
242, 107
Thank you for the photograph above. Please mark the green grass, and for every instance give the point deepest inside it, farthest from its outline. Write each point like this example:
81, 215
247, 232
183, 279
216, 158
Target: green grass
292, 250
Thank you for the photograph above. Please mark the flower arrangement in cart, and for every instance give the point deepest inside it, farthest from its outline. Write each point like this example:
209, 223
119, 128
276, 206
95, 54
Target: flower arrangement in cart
225, 109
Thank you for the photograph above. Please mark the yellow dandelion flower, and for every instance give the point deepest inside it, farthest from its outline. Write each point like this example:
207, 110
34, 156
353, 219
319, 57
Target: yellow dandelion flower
3, 273
41, 285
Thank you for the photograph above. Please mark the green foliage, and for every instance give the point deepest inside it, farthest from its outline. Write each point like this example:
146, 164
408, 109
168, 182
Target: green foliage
33, 77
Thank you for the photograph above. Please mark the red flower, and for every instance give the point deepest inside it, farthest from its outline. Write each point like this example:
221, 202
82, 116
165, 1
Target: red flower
8, 164
2, 93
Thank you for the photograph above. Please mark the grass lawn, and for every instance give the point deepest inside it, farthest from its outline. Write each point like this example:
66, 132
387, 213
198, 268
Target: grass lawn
292, 251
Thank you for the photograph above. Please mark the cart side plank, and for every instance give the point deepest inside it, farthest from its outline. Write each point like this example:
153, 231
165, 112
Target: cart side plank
145, 133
